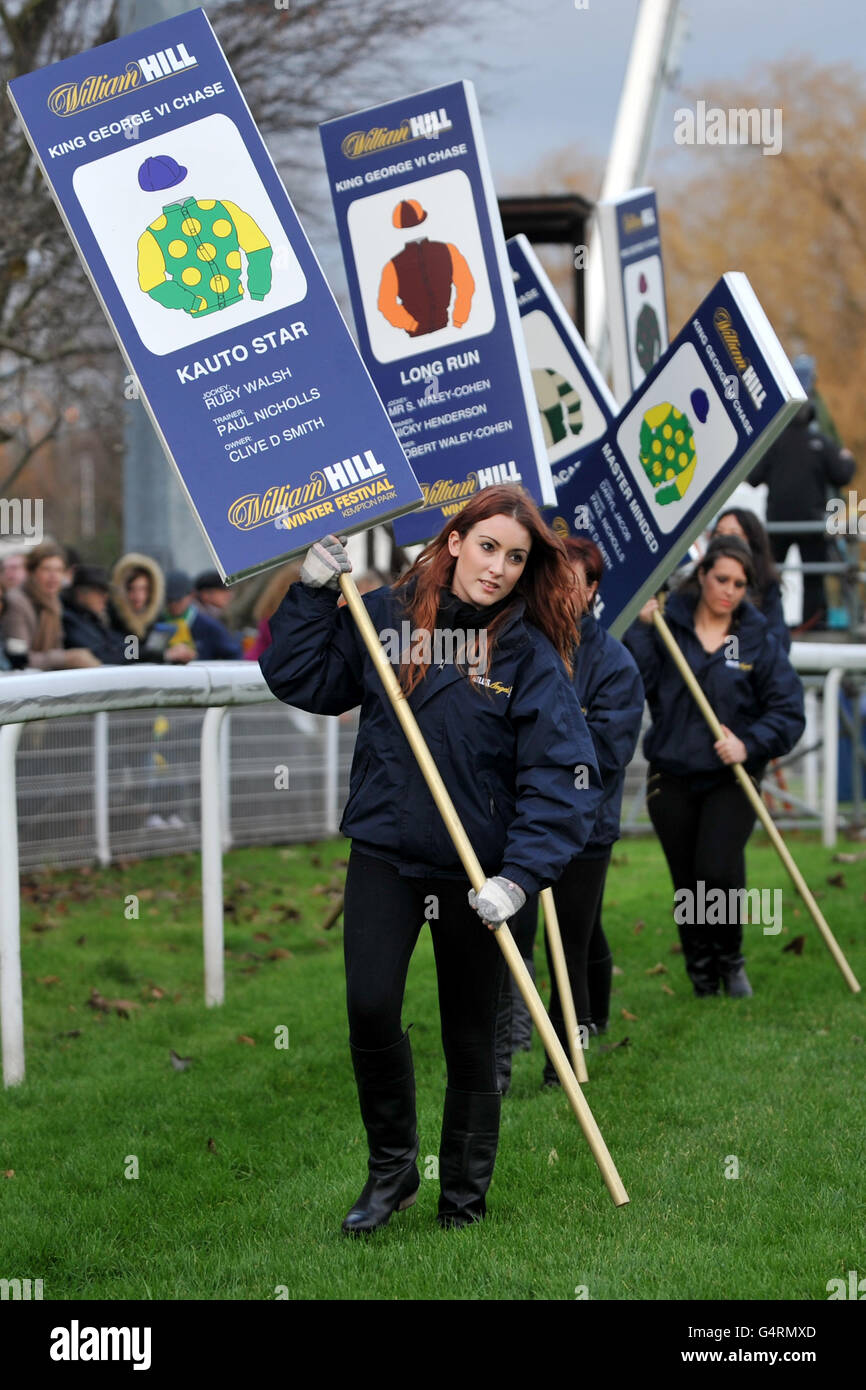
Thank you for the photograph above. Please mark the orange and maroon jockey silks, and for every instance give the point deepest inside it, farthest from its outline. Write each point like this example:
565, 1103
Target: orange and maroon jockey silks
415, 289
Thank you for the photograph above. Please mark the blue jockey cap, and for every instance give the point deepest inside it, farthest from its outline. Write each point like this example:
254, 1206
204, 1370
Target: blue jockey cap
161, 171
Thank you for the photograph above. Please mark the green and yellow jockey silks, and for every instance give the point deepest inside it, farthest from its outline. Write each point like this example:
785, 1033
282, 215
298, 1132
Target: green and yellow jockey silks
667, 451
558, 405
190, 256
182, 634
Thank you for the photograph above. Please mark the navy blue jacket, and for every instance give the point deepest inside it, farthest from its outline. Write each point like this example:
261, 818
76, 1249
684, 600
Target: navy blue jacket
611, 696
82, 628
773, 613
758, 696
213, 641
507, 750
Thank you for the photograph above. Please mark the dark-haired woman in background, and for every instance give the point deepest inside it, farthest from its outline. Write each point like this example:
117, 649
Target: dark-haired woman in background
699, 812
767, 594
507, 737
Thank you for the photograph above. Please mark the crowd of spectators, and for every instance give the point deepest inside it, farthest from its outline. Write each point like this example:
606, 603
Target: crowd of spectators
58, 612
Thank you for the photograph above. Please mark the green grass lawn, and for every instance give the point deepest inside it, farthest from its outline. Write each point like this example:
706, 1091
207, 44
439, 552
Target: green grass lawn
248, 1160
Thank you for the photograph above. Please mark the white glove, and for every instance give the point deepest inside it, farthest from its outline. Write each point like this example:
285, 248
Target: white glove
324, 563
498, 900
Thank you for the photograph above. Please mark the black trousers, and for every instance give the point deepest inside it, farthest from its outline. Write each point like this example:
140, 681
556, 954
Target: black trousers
578, 897
383, 916
703, 823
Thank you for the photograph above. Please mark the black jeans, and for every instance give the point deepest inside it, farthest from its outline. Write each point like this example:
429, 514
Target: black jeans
578, 897
383, 916
703, 823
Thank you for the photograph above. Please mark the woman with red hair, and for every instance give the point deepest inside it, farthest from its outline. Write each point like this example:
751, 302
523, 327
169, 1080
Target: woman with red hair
482, 631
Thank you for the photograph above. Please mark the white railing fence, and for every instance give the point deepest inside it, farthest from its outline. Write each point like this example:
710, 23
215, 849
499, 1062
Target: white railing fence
120, 786
315, 753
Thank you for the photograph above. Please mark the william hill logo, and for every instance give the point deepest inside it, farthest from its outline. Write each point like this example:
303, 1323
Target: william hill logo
426, 126
70, 97
355, 482
638, 221
731, 339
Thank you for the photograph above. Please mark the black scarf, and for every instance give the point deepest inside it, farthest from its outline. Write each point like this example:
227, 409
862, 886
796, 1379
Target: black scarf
454, 613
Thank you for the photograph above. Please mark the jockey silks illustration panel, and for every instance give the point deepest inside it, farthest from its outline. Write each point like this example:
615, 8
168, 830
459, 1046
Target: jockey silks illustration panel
634, 286
574, 404
697, 425
435, 311
242, 358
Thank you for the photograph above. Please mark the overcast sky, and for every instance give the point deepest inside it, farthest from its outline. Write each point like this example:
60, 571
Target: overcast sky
559, 71
550, 76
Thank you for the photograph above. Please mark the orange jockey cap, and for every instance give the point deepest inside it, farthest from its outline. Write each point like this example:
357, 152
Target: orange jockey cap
408, 214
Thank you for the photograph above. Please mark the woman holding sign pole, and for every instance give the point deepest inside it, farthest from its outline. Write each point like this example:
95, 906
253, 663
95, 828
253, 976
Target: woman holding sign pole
700, 814
482, 630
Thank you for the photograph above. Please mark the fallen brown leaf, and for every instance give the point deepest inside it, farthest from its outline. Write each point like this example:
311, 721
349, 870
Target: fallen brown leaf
657, 970
48, 979
667, 989
280, 953
639, 926
212, 1146
9, 1173
262, 936
81, 941
676, 949
632, 1018
617, 970
796, 945
123, 1007
244, 1038
837, 880
612, 1047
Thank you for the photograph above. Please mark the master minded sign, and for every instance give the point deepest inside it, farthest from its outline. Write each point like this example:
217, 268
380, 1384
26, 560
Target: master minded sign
709, 408
434, 308
243, 360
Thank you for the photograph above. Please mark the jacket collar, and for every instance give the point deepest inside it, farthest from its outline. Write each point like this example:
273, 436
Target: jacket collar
588, 627
680, 609
511, 635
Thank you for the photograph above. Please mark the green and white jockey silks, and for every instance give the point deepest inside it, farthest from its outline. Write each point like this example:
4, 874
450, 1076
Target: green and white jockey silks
667, 451
190, 257
558, 405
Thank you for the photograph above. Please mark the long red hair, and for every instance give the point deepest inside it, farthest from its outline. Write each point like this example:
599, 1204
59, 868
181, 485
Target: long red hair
547, 585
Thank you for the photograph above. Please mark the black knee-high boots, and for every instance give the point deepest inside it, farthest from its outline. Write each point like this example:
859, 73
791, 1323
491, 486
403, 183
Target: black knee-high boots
386, 1091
